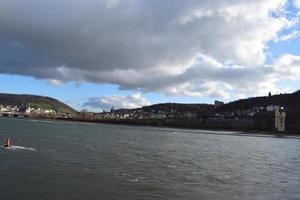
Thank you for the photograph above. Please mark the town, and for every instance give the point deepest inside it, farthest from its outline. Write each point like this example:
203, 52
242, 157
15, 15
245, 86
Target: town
22, 111
181, 115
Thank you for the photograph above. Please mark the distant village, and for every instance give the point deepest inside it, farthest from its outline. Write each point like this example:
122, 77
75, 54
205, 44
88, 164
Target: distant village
21, 111
171, 114
208, 117
240, 118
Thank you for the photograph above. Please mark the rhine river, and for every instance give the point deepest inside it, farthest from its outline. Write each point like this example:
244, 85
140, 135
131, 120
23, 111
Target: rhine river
61, 160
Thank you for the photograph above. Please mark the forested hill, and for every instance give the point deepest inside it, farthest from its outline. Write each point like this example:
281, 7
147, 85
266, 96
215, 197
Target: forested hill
25, 100
178, 107
172, 108
289, 101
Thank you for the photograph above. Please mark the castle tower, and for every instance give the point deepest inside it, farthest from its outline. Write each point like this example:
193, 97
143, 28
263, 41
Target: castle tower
280, 119
218, 103
112, 110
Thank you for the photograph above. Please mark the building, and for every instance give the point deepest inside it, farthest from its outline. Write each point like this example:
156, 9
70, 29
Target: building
28, 110
112, 110
280, 119
157, 116
271, 108
218, 103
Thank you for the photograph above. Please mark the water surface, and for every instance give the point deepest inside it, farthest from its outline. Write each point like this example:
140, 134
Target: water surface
62, 160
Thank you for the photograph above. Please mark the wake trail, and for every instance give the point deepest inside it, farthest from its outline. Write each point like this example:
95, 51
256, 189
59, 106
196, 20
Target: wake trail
15, 147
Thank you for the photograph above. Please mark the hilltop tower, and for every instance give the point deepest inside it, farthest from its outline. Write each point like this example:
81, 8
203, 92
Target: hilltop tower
280, 119
218, 103
112, 110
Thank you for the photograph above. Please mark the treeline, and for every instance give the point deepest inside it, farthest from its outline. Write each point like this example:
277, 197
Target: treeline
179, 108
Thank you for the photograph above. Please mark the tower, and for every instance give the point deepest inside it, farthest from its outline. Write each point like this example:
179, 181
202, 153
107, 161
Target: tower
280, 119
112, 110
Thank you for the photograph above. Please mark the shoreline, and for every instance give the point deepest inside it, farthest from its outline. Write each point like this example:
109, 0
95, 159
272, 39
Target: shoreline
231, 131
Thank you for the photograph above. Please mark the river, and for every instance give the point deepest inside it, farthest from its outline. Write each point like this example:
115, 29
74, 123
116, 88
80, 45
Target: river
68, 160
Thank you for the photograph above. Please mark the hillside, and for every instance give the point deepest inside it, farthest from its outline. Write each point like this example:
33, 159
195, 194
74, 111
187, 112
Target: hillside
25, 100
289, 101
265, 120
172, 108
178, 107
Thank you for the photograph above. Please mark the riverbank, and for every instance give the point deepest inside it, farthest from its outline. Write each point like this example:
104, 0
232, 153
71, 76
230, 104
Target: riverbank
242, 126
235, 131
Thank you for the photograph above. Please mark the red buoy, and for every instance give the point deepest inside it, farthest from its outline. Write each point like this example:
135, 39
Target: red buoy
7, 143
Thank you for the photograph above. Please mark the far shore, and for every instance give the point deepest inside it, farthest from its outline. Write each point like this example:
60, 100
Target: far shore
233, 131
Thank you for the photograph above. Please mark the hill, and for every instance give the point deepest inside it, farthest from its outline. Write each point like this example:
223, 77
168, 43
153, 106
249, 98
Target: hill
178, 108
289, 101
265, 120
26, 100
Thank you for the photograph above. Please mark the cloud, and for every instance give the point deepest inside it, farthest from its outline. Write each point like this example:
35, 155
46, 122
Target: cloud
288, 66
54, 82
194, 47
291, 35
118, 101
297, 3
112, 3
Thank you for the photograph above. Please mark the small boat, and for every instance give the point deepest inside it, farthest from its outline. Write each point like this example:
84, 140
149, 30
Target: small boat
7, 143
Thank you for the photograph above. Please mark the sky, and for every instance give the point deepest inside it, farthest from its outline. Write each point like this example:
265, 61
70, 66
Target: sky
97, 54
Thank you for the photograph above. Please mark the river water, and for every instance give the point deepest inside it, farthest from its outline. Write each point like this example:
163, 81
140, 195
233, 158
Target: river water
60, 160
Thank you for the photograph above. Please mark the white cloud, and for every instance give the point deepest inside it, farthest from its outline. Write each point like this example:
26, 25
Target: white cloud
54, 82
194, 15
118, 101
112, 3
297, 3
291, 35
288, 66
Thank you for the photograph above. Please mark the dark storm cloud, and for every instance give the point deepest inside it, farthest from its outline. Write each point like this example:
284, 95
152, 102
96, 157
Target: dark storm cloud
139, 44
85, 35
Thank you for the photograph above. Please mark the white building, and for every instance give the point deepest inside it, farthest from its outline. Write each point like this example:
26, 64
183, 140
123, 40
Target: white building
49, 111
28, 110
4, 109
271, 108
